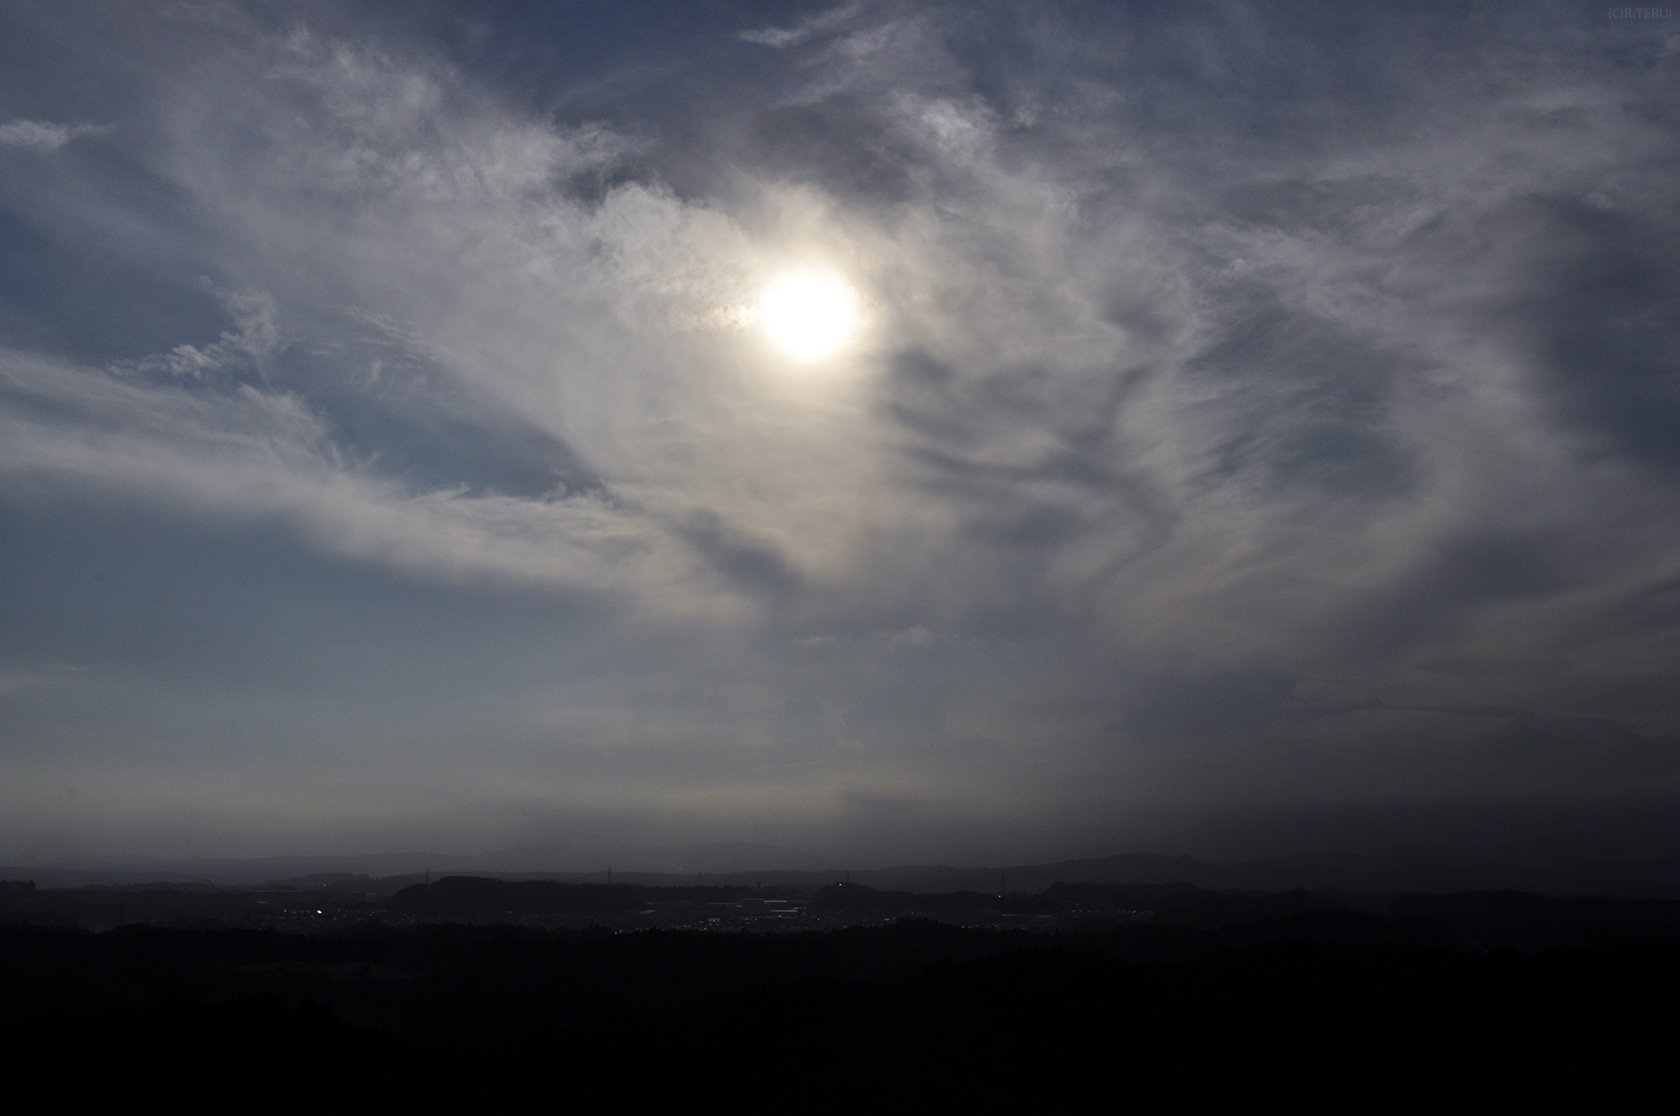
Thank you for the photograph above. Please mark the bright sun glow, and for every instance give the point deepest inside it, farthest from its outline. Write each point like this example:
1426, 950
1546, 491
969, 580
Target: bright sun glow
809, 315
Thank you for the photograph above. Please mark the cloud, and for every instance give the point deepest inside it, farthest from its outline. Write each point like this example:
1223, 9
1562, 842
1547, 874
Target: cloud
811, 27
1197, 375
37, 135
252, 455
774, 36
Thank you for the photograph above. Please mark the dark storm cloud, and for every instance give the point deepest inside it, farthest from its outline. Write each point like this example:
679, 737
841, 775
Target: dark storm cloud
1253, 405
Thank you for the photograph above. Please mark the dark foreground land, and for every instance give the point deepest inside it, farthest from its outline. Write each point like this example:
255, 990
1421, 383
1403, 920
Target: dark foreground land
1164, 994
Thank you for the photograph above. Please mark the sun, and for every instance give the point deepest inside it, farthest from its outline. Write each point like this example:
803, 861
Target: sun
809, 316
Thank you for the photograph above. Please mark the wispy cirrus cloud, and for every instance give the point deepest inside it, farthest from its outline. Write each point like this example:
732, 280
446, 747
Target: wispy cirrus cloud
251, 455
39, 135
821, 23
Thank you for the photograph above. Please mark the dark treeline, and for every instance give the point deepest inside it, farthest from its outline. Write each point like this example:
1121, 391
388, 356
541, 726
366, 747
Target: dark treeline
1474, 919
917, 1013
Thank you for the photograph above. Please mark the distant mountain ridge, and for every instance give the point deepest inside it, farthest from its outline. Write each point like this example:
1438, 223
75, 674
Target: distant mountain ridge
1427, 870
1421, 870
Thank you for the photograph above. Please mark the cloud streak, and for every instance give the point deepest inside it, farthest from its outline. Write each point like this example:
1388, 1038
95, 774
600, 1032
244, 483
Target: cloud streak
36, 135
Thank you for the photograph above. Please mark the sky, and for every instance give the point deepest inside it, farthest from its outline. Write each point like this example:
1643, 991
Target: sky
1185, 412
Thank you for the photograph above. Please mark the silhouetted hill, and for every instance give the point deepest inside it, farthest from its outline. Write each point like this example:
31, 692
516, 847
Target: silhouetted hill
1626, 845
916, 1015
